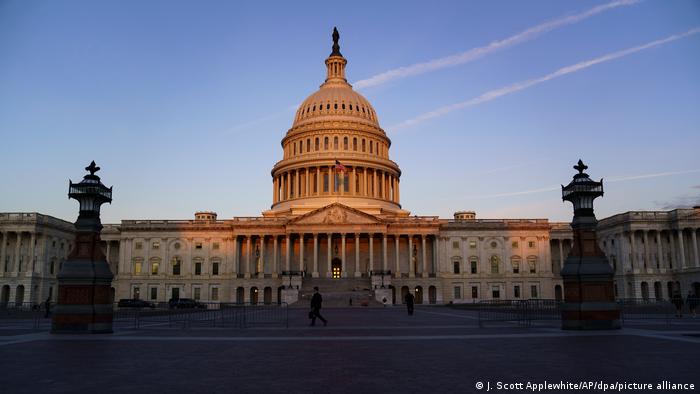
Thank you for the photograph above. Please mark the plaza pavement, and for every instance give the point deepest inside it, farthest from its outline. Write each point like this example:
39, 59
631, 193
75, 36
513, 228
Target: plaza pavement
362, 350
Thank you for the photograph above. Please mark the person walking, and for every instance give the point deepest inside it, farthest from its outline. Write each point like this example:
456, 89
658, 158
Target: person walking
692, 301
316, 301
47, 305
409, 302
677, 301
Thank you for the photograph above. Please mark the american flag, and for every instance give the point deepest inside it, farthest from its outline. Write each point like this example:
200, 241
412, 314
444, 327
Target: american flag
339, 167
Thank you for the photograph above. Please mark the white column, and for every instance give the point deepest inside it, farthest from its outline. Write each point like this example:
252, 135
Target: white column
673, 249
262, 255
424, 261
330, 256
247, 256
633, 250
275, 257
2, 251
342, 256
397, 239
433, 269
659, 249
301, 252
561, 254
384, 252
646, 248
109, 250
315, 272
411, 267
287, 257
18, 250
357, 255
236, 262
32, 240
680, 246
695, 249
371, 251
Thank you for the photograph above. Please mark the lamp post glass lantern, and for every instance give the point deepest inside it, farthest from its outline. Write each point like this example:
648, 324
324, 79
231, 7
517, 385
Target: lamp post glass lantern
581, 191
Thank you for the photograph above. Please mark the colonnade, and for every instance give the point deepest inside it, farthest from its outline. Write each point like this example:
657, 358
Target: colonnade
321, 181
288, 254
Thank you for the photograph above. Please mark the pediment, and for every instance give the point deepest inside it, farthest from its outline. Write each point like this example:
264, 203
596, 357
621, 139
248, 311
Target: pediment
336, 214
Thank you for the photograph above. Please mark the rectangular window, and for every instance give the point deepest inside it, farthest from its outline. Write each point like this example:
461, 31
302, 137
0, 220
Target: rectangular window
198, 245
473, 266
475, 292
138, 245
455, 244
531, 244
175, 293
154, 293
155, 245
198, 268
215, 269
514, 245
215, 246
533, 291
516, 267
533, 266
215, 294
137, 267
455, 267
325, 183
176, 266
197, 293
472, 244
458, 292
495, 292
154, 268
516, 291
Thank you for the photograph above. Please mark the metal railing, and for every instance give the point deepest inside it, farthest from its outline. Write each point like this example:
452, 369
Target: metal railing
521, 312
25, 315
231, 315
646, 309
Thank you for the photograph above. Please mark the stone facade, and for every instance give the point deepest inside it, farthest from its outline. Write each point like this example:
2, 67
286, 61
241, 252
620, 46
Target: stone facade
32, 249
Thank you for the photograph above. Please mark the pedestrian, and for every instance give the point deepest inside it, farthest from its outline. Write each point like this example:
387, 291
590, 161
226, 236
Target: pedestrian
692, 301
316, 301
677, 301
409, 302
47, 305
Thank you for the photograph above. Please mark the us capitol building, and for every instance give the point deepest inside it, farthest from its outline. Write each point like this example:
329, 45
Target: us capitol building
336, 222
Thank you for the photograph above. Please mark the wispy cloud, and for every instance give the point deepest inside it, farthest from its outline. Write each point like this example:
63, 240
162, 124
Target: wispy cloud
479, 52
518, 86
608, 180
256, 122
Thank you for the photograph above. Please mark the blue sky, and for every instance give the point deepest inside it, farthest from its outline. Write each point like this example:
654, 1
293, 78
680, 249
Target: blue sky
183, 104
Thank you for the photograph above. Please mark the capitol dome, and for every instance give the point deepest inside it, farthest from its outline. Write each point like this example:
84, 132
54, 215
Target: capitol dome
335, 152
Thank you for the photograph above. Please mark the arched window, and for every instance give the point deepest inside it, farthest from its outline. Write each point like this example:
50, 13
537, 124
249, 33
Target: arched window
335, 106
343, 106
317, 145
308, 145
532, 264
370, 146
294, 147
354, 144
301, 147
325, 143
328, 106
363, 145
138, 264
345, 143
335, 143
515, 262
155, 266
177, 265
495, 262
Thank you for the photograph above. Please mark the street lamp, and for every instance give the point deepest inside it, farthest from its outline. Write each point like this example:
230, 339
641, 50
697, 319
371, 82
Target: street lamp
589, 302
84, 281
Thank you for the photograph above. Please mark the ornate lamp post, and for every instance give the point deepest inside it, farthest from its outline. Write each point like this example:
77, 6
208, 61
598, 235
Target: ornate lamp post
84, 283
589, 297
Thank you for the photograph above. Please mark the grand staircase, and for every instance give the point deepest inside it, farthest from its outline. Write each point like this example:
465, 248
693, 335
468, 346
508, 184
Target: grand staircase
338, 292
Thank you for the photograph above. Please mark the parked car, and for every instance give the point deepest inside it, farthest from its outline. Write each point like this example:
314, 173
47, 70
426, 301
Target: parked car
186, 303
135, 303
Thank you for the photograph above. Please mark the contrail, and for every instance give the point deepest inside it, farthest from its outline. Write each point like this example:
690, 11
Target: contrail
496, 93
609, 180
478, 52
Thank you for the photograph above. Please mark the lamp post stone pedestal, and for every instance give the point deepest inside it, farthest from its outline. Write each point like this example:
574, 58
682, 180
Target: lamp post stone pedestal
84, 282
589, 296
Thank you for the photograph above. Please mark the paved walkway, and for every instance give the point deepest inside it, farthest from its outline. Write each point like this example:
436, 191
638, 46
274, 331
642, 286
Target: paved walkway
363, 350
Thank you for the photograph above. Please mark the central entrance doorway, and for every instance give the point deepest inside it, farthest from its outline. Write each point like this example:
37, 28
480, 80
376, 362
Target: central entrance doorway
336, 268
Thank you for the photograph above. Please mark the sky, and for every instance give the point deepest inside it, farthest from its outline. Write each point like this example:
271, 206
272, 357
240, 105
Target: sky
488, 104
